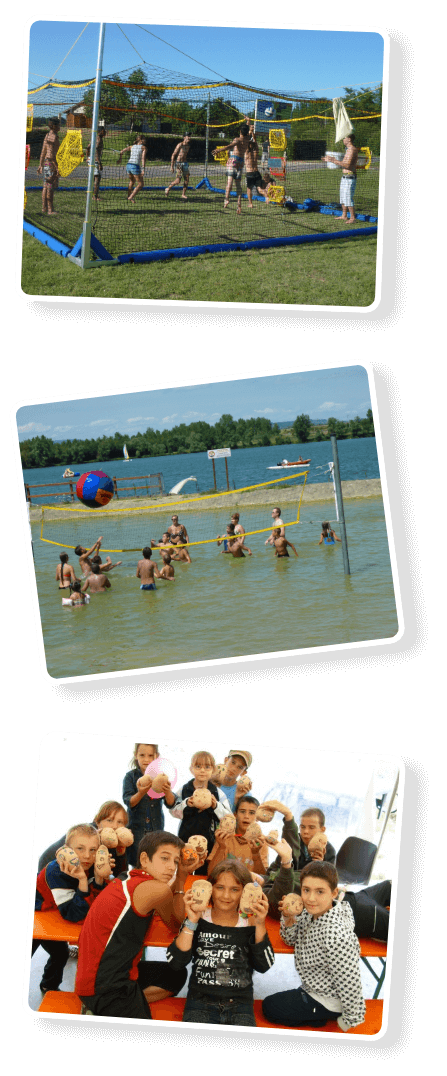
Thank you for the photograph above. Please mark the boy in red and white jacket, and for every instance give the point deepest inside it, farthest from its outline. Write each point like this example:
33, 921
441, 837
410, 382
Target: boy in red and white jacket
69, 888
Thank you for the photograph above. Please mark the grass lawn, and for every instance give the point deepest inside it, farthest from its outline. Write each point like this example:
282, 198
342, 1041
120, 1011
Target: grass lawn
335, 273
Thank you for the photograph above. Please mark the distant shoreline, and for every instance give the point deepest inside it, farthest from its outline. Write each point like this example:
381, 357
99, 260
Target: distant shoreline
313, 493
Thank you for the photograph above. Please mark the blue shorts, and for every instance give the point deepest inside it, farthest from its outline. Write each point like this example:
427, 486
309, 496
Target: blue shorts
133, 169
148, 586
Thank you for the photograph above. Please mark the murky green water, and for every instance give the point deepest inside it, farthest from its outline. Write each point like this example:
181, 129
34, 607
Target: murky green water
222, 607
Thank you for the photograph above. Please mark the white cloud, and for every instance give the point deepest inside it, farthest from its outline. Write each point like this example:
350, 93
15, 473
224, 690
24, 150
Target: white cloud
330, 403
102, 422
33, 427
266, 410
194, 414
142, 418
169, 418
63, 429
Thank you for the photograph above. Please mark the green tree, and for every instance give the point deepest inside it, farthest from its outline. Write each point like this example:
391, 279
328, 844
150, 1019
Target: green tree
301, 428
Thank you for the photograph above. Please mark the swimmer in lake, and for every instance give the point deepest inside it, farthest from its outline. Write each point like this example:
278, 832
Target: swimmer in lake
177, 531
235, 547
96, 582
281, 544
146, 570
238, 528
167, 571
84, 555
77, 596
225, 538
65, 573
277, 522
328, 536
107, 565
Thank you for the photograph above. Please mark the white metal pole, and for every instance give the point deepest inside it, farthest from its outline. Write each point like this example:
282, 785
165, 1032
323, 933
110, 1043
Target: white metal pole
331, 468
87, 227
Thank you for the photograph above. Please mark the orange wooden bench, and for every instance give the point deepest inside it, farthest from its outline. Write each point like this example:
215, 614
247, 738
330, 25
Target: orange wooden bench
59, 1001
51, 926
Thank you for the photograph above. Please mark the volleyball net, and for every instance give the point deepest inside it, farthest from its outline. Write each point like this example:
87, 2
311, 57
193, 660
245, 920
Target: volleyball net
293, 133
127, 529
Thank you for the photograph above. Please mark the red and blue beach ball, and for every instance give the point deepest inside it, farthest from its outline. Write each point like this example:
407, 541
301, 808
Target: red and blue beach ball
94, 489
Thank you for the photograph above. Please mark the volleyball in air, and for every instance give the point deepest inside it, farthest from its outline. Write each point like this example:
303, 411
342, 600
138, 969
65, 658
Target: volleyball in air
94, 489
269, 111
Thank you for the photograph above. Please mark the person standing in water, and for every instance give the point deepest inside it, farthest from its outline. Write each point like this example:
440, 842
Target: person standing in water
65, 573
328, 536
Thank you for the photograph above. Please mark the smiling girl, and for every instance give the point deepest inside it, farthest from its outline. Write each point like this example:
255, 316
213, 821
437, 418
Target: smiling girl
225, 948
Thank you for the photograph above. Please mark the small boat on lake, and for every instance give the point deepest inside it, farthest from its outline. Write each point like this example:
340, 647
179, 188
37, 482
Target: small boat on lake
286, 464
70, 474
126, 454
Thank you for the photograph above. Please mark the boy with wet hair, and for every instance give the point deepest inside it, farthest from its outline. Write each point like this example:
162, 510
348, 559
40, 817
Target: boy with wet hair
84, 555
146, 570
167, 571
96, 582
326, 958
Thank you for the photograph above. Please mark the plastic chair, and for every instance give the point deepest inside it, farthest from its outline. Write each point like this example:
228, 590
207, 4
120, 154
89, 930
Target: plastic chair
354, 860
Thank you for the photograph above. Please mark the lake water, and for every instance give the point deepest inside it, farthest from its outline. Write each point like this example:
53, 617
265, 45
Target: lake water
246, 466
223, 608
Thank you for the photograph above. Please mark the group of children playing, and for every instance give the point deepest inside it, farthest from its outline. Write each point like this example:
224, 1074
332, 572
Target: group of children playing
116, 872
243, 149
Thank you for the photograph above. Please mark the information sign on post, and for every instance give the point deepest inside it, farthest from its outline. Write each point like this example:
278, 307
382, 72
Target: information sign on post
217, 454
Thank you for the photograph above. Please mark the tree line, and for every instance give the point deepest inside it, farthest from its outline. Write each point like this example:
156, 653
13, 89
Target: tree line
228, 432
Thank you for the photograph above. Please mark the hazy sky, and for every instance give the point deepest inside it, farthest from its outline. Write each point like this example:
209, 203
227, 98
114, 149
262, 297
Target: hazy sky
342, 393
320, 61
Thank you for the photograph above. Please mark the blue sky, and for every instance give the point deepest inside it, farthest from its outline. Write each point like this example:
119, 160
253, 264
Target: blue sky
342, 393
317, 61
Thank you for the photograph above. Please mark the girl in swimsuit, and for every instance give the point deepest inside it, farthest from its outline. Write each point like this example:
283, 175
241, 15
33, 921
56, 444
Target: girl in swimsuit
328, 535
65, 574
235, 164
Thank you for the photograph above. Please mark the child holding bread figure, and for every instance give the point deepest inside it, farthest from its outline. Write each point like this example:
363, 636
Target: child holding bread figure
69, 884
201, 805
226, 945
326, 957
112, 978
245, 840
110, 814
145, 813
232, 776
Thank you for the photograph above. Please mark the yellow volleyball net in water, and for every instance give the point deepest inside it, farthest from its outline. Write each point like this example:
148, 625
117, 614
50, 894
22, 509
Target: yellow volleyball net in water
127, 528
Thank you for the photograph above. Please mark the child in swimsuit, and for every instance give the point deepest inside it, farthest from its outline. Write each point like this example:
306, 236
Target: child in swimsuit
328, 535
65, 574
49, 164
235, 164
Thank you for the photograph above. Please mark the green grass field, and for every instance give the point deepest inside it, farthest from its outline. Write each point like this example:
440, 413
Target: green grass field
335, 273
327, 274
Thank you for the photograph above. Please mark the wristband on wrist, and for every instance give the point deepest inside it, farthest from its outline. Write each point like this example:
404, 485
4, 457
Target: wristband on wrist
192, 926
179, 892
287, 865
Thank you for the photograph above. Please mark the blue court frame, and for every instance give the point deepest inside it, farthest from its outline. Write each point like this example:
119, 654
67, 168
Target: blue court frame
104, 257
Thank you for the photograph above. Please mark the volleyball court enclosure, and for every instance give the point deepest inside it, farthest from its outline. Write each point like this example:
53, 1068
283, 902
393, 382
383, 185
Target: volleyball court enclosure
128, 528
293, 134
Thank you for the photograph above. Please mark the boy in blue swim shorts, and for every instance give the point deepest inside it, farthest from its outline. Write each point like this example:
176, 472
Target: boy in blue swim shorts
146, 569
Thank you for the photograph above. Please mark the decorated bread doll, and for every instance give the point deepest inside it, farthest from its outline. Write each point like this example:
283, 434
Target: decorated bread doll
245, 783
264, 814
109, 837
65, 855
318, 843
292, 904
201, 890
125, 836
201, 798
253, 832
249, 896
272, 838
198, 843
227, 824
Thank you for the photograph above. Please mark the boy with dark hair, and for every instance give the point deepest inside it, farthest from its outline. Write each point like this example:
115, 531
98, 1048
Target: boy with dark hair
96, 582
252, 853
146, 570
180, 155
112, 979
167, 571
237, 763
370, 906
84, 555
326, 958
